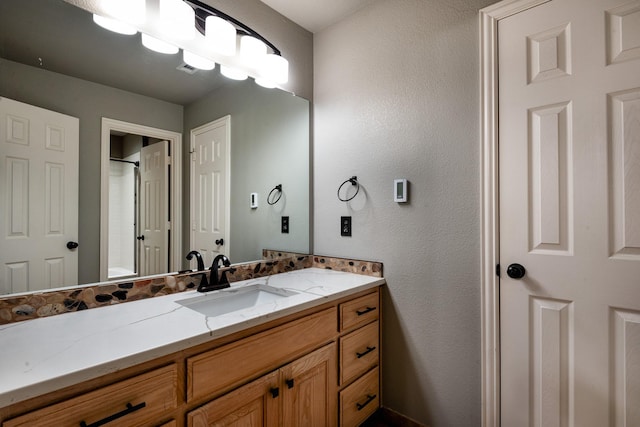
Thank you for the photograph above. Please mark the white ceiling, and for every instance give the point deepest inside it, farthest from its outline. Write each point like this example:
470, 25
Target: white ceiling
316, 15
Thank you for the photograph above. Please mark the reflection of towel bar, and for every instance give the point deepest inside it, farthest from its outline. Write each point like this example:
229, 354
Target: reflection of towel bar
277, 188
136, 164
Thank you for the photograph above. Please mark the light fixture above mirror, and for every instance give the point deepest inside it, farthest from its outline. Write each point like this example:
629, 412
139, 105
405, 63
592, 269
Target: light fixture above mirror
206, 35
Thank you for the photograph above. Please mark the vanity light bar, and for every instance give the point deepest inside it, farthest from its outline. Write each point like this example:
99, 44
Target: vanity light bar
220, 33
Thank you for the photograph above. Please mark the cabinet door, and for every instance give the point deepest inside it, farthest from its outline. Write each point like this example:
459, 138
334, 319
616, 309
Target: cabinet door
253, 405
309, 389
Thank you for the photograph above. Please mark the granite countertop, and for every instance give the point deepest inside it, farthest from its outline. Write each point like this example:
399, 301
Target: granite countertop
43, 355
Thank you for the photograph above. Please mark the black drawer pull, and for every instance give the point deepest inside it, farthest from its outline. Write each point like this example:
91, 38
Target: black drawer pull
370, 398
275, 392
289, 383
364, 353
365, 311
130, 409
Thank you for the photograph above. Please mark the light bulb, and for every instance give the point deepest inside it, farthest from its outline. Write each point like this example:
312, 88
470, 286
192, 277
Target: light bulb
114, 25
233, 73
129, 11
274, 68
158, 45
265, 83
252, 51
177, 19
198, 61
220, 35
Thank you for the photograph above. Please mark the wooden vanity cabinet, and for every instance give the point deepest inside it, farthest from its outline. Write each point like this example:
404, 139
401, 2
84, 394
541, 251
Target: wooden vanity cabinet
136, 401
300, 394
318, 367
359, 344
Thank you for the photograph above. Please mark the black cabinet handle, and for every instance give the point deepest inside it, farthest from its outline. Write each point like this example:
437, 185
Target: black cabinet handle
364, 353
370, 398
289, 383
130, 408
365, 311
275, 392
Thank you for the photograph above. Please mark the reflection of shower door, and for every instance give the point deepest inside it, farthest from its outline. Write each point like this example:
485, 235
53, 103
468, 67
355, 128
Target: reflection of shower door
154, 208
39, 194
210, 170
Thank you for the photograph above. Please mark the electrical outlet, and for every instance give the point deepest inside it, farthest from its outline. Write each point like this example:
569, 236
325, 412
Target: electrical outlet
345, 226
284, 224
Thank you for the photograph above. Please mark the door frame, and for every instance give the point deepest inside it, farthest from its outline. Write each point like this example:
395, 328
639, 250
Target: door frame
192, 140
489, 211
175, 194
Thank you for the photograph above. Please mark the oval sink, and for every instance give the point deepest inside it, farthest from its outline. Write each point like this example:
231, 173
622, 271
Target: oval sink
230, 300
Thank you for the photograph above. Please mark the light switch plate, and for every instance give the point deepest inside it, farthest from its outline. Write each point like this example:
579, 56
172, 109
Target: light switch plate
400, 191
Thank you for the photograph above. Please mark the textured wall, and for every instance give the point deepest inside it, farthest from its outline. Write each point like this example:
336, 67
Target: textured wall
396, 96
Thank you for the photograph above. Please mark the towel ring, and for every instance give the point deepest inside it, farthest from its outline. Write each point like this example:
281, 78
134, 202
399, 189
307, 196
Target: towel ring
354, 181
277, 188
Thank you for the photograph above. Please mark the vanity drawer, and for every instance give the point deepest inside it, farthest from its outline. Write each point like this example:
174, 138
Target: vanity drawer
360, 311
358, 352
213, 372
360, 400
136, 401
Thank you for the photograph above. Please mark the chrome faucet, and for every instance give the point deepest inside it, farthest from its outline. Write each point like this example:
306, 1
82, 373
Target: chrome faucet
216, 282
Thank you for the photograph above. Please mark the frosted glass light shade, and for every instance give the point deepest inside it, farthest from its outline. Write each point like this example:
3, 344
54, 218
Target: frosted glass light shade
265, 83
158, 45
114, 25
252, 51
129, 11
274, 68
233, 73
198, 61
220, 35
177, 19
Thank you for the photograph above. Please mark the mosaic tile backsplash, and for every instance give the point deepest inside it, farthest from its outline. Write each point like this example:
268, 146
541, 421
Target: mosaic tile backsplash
49, 303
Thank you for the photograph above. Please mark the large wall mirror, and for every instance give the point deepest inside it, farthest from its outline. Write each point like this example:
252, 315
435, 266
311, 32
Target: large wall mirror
54, 57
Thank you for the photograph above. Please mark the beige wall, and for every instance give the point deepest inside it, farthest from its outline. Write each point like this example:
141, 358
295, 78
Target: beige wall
396, 96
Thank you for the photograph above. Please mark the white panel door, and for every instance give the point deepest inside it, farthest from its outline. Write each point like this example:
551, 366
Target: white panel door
38, 198
569, 156
210, 183
154, 209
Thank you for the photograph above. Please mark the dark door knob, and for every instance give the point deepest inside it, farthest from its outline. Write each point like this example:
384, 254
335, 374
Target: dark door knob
140, 237
72, 245
516, 271
220, 242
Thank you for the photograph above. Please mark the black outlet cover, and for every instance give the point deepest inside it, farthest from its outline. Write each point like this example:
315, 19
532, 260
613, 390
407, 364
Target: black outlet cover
284, 225
345, 226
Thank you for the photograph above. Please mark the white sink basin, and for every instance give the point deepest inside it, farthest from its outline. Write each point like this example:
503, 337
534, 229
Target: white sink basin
231, 300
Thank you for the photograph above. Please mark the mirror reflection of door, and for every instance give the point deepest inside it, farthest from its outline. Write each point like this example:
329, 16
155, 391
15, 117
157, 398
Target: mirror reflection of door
138, 206
39, 193
210, 188
153, 242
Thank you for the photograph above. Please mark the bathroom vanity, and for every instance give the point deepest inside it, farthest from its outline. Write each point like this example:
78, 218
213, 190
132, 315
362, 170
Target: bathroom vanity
296, 348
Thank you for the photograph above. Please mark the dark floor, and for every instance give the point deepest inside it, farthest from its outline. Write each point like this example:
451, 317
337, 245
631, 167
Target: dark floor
387, 418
